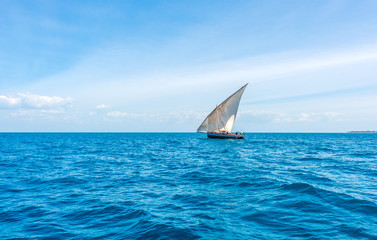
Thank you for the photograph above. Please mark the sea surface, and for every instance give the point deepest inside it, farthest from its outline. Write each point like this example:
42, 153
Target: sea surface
186, 186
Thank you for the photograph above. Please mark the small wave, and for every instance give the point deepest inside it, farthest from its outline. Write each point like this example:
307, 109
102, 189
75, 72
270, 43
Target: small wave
297, 186
225, 151
68, 180
93, 213
187, 198
198, 176
313, 177
265, 219
310, 159
337, 199
33, 211
323, 149
245, 184
363, 155
204, 216
152, 195
303, 188
305, 206
355, 232
126, 217
9, 217
356, 205
151, 230
48, 231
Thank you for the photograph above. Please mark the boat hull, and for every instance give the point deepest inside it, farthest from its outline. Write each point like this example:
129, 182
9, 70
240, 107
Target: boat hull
225, 135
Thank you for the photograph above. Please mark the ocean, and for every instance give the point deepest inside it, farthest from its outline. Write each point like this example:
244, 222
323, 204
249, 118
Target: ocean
186, 186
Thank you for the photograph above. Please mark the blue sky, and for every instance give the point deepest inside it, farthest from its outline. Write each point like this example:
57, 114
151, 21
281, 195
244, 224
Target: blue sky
164, 65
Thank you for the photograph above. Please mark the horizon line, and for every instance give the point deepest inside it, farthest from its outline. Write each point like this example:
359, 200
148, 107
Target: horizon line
353, 131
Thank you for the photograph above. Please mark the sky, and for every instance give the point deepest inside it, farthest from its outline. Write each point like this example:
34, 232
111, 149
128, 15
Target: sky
162, 66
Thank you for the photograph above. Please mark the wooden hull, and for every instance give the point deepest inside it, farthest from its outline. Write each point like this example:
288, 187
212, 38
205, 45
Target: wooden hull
225, 135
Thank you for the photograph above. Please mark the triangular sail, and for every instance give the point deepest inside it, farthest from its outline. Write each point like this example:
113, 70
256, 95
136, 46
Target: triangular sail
223, 116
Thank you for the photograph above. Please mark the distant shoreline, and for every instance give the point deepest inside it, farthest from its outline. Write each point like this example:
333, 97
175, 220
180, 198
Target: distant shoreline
362, 132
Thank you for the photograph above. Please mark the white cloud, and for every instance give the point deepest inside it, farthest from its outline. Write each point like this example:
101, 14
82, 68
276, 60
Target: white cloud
49, 114
36, 112
6, 101
102, 106
161, 117
265, 116
29, 100
283, 117
117, 114
322, 116
306, 117
336, 116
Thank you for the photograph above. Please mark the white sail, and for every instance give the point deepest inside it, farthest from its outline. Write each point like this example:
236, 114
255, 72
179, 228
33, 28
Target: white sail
223, 116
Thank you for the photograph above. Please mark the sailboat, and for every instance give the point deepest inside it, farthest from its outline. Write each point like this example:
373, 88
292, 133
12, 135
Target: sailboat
219, 123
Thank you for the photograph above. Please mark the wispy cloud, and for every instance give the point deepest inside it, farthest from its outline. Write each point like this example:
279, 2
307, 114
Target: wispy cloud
369, 89
284, 117
288, 66
36, 112
29, 100
274, 66
161, 117
117, 114
102, 106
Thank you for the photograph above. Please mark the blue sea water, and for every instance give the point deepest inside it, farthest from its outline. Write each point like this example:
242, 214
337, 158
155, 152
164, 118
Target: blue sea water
186, 186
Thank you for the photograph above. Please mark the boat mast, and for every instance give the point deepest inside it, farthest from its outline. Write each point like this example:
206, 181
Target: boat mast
217, 118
